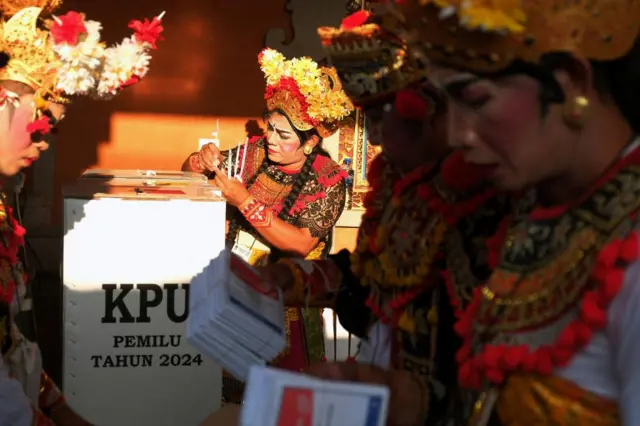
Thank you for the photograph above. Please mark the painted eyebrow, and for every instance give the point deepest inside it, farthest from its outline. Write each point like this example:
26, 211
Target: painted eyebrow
278, 129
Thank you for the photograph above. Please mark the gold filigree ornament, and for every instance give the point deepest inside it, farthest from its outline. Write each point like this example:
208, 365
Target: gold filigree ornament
372, 56
310, 96
64, 56
9, 8
488, 35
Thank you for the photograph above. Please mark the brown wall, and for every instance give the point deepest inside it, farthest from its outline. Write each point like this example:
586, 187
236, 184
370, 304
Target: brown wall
205, 69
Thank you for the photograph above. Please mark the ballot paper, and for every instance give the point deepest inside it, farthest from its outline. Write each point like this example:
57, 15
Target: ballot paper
276, 397
231, 320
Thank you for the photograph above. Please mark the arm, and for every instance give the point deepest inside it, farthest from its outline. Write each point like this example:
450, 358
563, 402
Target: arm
15, 407
315, 220
277, 232
624, 332
191, 163
53, 404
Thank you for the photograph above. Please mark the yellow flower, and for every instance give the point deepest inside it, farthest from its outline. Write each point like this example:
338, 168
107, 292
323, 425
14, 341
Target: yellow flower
325, 103
492, 15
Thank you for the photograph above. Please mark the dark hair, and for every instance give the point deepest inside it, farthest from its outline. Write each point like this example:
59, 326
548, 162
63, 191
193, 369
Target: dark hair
303, 177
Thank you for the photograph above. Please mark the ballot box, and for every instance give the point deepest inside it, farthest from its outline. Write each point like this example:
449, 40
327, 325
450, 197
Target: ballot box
130, 250
160, 178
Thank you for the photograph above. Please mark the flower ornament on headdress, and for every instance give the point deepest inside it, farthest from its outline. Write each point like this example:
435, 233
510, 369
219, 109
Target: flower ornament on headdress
372, 54
88, 68
310, 96
502, 16
488, 36
68, 58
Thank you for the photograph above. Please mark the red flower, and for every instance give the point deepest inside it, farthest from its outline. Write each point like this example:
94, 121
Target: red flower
132, 80
411, 105
68, 28
514, 356
355, 20
40, 125
147, 32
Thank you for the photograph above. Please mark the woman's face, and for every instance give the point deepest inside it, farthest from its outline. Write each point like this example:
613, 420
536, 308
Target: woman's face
407, 143
17, 151
499, 124
283, 144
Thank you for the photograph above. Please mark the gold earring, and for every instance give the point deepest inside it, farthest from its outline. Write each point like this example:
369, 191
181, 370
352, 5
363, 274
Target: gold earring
575, 113
307, 149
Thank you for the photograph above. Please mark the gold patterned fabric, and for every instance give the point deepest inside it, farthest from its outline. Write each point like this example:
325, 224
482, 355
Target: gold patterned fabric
531, 400
488, 36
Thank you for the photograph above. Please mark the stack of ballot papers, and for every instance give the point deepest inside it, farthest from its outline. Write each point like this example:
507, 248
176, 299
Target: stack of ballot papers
231, 320
280, 398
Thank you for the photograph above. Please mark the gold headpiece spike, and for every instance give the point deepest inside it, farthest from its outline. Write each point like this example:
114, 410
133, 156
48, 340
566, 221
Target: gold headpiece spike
29, 49
161, 15
24, 21
11, 7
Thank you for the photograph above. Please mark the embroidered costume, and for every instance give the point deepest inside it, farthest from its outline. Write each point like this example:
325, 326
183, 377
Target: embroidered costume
550, 335
66, 60
390, 290
312, 198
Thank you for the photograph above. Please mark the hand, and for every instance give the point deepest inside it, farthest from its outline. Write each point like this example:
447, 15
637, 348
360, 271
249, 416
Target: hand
275, 276
232, 189
407, 398
208, 158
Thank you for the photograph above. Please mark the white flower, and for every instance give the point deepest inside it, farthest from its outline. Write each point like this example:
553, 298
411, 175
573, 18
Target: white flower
121, 63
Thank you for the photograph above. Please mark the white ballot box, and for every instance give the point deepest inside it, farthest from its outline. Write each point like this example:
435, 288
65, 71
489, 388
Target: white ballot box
130, 252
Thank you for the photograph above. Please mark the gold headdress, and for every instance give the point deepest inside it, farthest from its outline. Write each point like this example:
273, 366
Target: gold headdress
487, 36
372, 54
310, 96
66, 58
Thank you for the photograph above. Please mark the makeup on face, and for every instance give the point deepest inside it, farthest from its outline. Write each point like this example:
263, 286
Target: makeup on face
281, 140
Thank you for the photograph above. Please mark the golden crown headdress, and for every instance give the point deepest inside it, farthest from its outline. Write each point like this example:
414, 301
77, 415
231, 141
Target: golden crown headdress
310, 96
66, 57
488, 36
372, 54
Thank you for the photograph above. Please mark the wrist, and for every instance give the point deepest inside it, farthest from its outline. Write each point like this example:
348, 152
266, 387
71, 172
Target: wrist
194, 163
256, 213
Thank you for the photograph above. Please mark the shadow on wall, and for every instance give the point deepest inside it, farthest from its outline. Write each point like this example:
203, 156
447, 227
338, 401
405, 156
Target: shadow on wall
198, 70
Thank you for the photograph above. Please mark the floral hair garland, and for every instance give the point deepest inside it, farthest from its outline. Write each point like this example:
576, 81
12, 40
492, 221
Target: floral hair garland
88, 68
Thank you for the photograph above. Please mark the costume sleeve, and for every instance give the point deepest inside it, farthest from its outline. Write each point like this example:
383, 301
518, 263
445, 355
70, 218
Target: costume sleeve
624, 332
15, 407
319, 212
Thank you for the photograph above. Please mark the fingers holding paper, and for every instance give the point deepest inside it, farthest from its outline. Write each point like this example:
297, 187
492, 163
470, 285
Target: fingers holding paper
210, 157
407, 406
232, 189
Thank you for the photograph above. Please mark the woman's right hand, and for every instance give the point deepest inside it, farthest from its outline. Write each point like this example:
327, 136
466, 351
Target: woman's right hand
208, 158
407, 398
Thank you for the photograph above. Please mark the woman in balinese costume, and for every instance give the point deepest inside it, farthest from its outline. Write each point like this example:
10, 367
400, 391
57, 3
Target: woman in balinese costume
290, 193
390, 292
47, 67
544, 96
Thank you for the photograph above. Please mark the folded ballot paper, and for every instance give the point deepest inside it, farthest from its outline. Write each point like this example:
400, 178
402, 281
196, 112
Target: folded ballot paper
231, 320
280, 398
